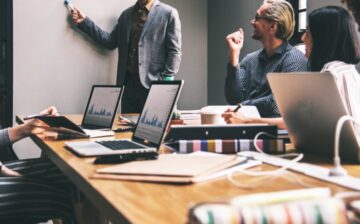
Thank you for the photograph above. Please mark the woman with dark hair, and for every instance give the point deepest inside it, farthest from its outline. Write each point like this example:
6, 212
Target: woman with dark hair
333, 37
332, 45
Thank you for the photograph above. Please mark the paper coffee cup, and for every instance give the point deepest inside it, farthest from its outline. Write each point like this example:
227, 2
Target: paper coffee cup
209, 116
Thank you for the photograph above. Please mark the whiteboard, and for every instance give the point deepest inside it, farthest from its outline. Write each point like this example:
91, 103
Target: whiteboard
54, 63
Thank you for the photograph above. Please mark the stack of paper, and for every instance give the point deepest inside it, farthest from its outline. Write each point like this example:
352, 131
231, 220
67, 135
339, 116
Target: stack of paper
190, 114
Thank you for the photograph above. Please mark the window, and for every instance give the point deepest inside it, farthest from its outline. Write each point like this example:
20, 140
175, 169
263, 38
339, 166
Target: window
302, 16
300, 7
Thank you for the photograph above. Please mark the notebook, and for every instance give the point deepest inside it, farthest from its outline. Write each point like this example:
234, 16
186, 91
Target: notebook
98, 116
150, 128
311, 105
175, 168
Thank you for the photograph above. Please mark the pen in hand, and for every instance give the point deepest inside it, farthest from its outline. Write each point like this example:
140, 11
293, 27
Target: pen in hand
127, 120
237, 108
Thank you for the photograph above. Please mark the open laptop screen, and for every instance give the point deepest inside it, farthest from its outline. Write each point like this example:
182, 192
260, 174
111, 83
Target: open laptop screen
102, 106
157, 111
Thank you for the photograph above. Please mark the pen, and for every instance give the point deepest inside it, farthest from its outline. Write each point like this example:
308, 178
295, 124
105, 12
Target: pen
237, 108
127, 120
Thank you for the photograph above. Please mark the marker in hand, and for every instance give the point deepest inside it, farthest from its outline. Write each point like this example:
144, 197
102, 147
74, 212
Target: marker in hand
68, 5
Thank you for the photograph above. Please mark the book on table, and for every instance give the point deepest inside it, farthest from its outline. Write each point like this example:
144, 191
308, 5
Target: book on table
177, 168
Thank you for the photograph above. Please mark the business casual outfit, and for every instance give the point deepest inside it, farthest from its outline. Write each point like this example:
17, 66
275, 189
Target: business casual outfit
348, 82
149, 47
41, 194
247, 83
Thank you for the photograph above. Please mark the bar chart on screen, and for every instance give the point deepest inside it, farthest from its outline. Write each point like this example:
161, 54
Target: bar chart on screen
156, 112
102, 105
154, 121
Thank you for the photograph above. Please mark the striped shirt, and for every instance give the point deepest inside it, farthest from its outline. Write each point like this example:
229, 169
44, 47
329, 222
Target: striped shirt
247, 83
41, 194
348, 82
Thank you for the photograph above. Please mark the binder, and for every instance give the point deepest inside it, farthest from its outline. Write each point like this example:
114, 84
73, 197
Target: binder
227, 131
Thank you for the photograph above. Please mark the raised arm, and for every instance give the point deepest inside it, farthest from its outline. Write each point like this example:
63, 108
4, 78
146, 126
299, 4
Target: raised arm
85, 24
266, 105
237, 83
235, 42
236, 80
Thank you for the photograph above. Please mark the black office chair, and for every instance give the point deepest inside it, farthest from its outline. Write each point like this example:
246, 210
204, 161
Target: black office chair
28, 201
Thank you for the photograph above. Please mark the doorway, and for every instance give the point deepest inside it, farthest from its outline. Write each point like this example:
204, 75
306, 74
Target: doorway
6, 63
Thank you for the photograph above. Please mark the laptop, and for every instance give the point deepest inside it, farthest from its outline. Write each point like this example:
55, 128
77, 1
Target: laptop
98, 116
311, 106
101, 107
150, 128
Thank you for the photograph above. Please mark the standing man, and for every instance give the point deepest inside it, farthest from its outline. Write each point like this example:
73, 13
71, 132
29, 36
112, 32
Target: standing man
246, 81
148, 38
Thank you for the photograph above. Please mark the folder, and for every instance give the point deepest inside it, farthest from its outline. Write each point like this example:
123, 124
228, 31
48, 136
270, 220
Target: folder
173, 168
66, 129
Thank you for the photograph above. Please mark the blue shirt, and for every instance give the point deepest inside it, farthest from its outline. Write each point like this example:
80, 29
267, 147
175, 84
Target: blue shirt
247, 83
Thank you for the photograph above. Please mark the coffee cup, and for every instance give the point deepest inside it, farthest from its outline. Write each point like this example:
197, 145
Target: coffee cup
212, 116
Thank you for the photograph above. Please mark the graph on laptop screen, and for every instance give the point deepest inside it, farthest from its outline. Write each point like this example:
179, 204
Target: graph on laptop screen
157, 109
101, 105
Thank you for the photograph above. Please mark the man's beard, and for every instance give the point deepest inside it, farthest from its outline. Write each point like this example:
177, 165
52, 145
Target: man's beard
143, 2
256, 36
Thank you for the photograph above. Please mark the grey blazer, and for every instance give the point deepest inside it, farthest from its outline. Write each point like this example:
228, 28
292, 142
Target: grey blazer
159, 44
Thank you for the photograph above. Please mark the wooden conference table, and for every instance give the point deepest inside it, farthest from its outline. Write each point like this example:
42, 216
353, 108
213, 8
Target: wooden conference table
138, 202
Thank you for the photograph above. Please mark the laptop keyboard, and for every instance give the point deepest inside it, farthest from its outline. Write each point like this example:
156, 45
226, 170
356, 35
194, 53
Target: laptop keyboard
120, 144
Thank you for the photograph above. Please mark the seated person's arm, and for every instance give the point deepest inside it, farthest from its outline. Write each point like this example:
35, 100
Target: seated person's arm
29, 128
266, 106
238, 118
11, 135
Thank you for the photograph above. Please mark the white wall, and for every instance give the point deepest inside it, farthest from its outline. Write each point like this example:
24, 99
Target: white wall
315, 4
193, 69
56, 65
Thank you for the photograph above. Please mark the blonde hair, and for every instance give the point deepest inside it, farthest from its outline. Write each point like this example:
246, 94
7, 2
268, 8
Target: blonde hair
282, 12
